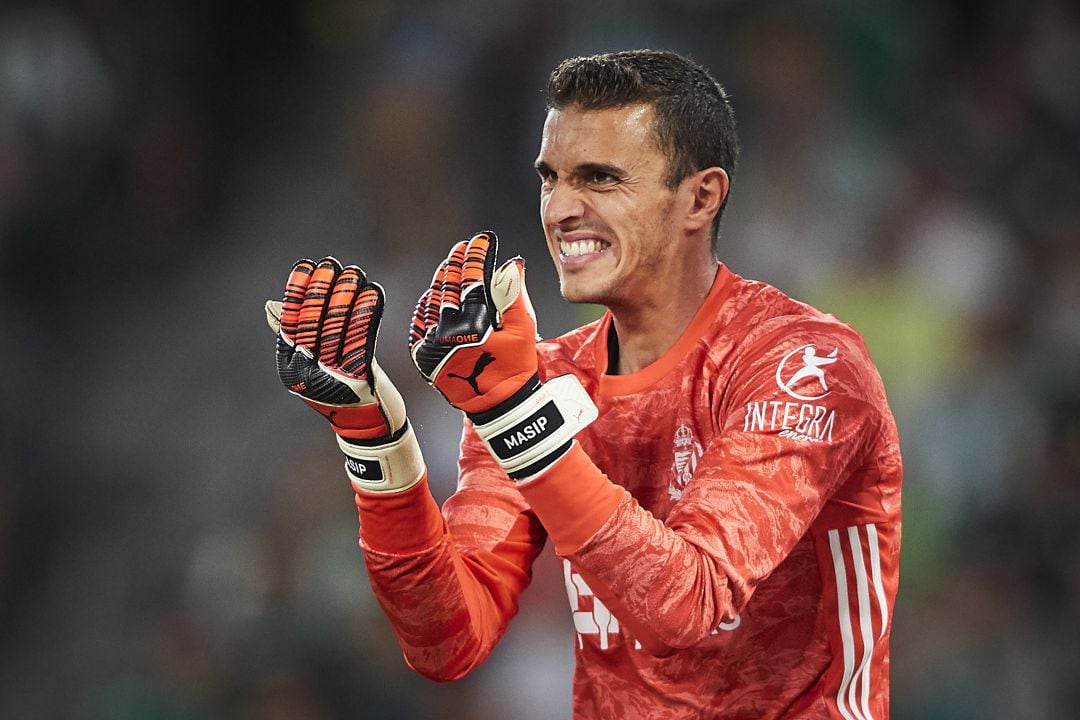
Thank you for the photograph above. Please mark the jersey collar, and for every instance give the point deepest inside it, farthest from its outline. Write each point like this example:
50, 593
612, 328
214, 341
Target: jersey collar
647, 376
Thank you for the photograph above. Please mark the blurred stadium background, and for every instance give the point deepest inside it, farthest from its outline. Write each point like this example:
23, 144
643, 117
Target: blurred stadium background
177, 539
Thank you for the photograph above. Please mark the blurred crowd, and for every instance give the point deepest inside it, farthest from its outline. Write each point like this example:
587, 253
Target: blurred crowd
177, 538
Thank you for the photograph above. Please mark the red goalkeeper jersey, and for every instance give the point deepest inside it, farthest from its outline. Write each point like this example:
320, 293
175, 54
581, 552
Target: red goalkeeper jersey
729, 526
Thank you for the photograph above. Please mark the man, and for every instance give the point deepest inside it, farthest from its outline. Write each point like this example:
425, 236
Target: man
715, 463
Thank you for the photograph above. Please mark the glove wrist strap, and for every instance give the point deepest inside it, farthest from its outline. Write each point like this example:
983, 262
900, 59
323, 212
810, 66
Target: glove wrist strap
392, 465
483, 418
537, 429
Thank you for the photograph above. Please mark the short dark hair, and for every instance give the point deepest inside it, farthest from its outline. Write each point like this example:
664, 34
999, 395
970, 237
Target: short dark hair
694, 121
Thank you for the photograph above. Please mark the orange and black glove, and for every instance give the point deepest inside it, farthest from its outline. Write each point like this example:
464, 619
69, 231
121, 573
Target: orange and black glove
473, 338
327, 326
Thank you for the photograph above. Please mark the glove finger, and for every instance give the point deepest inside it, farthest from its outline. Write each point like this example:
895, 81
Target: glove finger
295, 288
362, 331
418, 326
311, 314
433, 302
426, 315
331, 337
478, 270
479, 260
451, 278
507, 282
273, 314
511, 299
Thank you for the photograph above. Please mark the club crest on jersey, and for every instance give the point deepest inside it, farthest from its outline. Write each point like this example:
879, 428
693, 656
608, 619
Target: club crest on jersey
686, 451
801, 373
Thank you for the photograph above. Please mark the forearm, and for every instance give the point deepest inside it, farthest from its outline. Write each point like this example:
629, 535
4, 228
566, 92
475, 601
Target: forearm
448, 605
669, 591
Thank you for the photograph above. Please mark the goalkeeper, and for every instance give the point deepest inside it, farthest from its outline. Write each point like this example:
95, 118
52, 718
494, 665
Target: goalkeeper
715, 463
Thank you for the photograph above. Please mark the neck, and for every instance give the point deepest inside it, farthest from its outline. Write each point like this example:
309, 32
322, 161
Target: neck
650, 327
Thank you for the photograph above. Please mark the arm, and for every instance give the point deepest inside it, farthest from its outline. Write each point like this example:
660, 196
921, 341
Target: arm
450, 581
449, 593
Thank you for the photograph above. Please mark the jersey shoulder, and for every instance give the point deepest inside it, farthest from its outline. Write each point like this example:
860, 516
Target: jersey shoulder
761, 316
795, 349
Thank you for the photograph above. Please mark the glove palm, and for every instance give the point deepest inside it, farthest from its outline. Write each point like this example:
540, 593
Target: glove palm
473, 335
327, 327
473, 338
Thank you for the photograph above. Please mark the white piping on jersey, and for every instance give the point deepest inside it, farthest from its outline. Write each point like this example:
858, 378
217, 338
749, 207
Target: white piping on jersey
865, 621
875, 566
853, 696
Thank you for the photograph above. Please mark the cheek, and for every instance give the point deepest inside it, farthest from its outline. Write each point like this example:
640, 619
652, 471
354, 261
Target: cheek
617, 214
553, 253
649, 233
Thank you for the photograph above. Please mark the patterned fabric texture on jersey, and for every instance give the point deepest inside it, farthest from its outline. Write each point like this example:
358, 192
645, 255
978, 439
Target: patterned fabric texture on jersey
729, 527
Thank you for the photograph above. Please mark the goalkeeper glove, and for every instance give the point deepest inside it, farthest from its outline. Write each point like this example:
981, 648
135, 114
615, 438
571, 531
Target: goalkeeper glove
473, 338
327, 326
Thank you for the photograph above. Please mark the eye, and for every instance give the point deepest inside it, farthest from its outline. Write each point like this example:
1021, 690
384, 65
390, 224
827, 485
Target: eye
599, 177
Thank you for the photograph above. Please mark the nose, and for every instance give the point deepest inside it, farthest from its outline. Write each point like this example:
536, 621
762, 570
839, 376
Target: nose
561, 204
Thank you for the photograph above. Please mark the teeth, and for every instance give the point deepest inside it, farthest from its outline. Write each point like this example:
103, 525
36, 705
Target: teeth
580, 247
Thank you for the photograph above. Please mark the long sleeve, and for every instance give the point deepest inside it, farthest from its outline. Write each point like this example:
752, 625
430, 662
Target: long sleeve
450, 581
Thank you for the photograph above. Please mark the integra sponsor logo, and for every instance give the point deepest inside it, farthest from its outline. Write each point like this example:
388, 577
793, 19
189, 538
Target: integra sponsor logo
798, 421
812, 371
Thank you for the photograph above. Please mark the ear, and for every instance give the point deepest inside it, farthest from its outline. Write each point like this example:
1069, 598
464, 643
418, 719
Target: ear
707, 189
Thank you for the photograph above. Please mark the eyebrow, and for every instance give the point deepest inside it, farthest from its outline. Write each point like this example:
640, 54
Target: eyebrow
584, 169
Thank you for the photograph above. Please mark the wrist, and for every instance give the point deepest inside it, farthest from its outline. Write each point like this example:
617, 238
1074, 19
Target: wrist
502, 393
376, 419
387, 464
401, 523
532, 429
483, 417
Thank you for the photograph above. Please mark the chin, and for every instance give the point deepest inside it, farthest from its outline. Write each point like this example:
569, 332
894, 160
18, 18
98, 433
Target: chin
572, 292
577, 292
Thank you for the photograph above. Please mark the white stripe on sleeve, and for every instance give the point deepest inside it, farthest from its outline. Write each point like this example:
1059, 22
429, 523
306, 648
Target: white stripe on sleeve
853, 695
845, 622
879, 586
866, 622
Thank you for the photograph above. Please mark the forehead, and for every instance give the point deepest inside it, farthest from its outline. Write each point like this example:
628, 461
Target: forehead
615, 135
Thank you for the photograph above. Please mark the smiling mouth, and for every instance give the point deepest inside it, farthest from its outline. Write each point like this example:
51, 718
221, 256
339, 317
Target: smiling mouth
578, 248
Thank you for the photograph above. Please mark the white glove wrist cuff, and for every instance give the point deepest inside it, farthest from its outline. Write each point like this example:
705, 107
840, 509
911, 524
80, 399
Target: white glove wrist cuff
532, 435
390, 467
